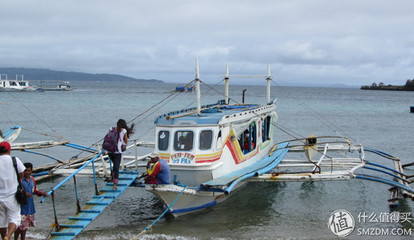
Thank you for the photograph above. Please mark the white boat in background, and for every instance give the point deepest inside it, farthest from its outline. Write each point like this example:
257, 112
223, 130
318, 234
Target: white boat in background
61, 87
17, 85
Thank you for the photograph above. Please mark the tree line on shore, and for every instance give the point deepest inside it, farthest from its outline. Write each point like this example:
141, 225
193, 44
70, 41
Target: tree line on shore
409, 86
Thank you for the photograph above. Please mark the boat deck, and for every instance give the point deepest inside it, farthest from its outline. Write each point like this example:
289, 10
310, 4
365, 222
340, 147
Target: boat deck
210, 114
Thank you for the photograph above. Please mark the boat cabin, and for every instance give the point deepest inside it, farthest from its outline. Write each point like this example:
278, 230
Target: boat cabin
221, 139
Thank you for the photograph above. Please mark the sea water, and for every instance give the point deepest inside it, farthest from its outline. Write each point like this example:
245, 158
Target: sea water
377, 119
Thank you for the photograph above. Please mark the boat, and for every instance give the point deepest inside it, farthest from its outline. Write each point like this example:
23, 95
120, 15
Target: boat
61, 87
10, 134
211, 149
184, 88
215, 149
17, 85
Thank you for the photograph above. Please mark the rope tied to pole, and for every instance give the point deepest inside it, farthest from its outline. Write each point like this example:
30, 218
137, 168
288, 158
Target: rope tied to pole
148, 228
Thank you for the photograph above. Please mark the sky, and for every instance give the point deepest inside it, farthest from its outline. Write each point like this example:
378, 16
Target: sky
349, 42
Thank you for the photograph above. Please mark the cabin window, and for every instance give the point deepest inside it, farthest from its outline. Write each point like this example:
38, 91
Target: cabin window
206, 138
163, 139
266, 128
183, 140
247, 139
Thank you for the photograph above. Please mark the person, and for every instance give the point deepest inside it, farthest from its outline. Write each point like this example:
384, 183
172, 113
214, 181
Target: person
27, 211
124, 133
9, 207
159, 172
246, 143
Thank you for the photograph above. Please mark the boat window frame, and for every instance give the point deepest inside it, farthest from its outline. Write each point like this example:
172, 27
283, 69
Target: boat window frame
211, 139
266, 126
175, 146
251, 138
158, 139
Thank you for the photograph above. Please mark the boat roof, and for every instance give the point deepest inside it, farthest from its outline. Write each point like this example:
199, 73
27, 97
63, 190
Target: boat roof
210, 114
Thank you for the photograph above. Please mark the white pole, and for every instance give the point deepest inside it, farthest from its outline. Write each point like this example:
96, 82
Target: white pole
198, 90
268, 78
226, 86
136, 154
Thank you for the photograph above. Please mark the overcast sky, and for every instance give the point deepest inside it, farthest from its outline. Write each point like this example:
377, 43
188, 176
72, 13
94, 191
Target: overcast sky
313, 41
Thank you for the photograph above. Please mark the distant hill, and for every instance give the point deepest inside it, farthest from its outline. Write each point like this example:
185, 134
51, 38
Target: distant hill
46, 74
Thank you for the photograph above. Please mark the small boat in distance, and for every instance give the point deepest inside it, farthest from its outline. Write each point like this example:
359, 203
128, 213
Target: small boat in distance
17, 85
61, 87
186, 88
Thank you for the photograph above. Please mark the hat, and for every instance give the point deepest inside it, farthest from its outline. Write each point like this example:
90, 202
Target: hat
5, 145
154, 155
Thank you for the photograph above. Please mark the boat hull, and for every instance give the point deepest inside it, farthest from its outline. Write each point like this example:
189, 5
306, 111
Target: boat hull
183, 200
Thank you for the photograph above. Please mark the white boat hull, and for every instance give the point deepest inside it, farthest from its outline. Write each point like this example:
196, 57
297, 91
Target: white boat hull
183, 200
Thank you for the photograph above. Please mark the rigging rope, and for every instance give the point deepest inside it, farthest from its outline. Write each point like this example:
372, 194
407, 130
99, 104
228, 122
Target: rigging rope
146, 229
41, 120
276, 125
332, 126
141, 114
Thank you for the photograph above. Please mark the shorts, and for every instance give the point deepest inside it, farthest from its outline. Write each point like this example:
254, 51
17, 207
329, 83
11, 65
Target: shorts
27, 222
9, 212
151, 180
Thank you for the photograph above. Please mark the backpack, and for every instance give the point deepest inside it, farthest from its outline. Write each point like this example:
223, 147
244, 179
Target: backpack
110, 142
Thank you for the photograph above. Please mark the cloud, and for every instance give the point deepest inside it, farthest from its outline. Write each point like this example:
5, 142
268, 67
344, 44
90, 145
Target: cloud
320, 40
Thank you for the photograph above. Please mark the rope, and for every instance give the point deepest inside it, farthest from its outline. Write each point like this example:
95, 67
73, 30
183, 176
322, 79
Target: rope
41, 120
144, 112
148, 228
326, 122
278, 126
153, 106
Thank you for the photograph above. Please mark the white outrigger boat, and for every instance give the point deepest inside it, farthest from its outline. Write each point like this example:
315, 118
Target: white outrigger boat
17, 85
211, 149
214, 149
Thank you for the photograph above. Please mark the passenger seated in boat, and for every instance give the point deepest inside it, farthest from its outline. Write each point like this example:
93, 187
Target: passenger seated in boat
246, 143
159, 172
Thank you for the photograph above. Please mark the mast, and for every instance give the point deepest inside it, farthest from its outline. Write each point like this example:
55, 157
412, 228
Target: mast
197, 86
226, 86
268, 79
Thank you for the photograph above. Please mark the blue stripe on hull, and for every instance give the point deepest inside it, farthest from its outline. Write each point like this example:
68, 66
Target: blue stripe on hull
210, 204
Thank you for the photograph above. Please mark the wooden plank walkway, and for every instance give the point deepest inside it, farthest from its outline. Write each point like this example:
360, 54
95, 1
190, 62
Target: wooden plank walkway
93, 208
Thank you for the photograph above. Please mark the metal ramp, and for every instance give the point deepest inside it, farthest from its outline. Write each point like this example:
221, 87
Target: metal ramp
93, 208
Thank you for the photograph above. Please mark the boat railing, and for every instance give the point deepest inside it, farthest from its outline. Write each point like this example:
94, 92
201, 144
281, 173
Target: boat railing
73, 176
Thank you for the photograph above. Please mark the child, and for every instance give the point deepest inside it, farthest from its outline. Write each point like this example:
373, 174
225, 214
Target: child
27, 211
